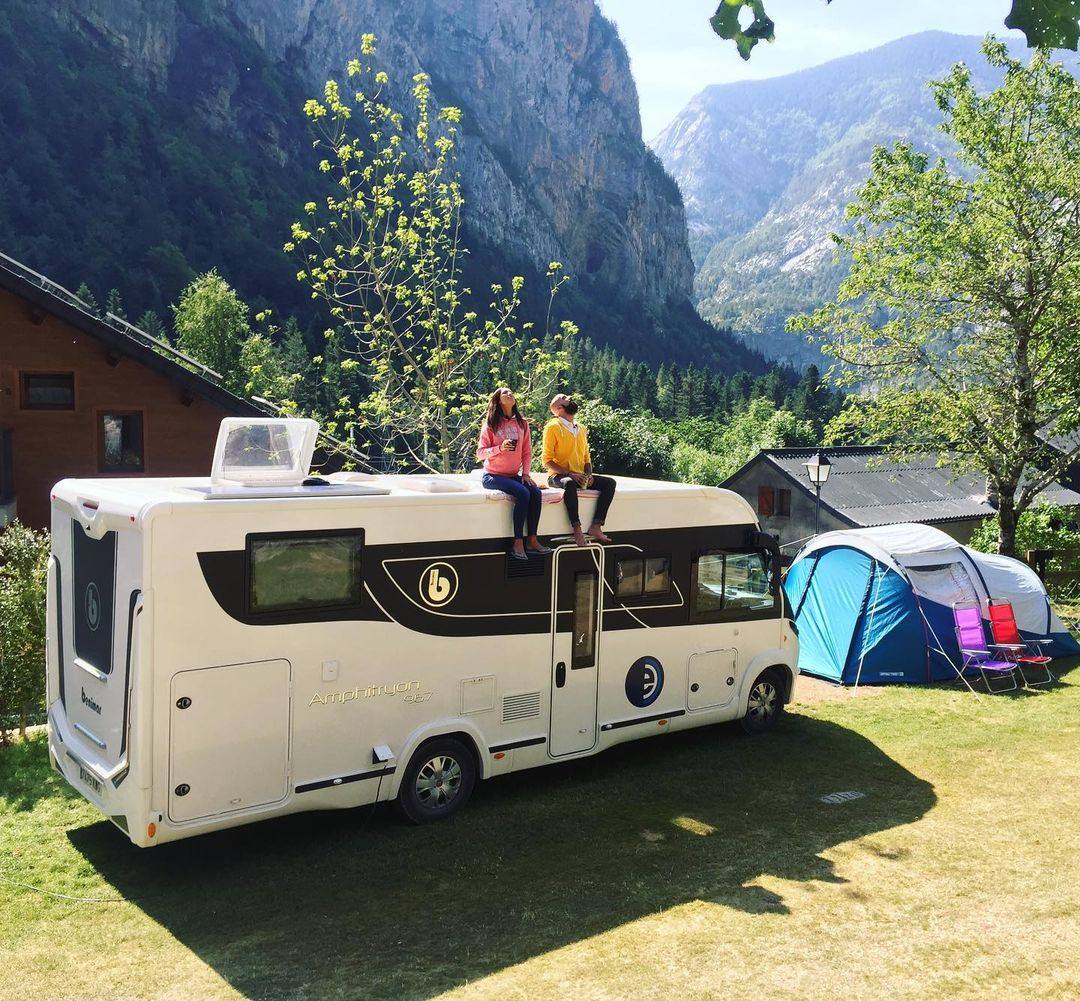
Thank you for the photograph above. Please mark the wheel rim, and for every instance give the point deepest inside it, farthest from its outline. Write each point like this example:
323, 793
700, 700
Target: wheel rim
763, 700
438, 782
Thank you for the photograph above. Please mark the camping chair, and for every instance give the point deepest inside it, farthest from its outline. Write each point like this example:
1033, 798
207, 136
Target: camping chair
1024, 653
971, 638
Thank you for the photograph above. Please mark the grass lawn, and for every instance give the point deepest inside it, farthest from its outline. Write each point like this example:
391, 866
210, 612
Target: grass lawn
698, 864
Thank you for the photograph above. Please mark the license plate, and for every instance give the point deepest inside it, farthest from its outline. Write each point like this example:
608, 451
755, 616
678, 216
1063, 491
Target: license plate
90, 780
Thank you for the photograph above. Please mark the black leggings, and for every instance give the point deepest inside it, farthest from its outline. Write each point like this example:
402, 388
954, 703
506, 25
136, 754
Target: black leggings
606, 486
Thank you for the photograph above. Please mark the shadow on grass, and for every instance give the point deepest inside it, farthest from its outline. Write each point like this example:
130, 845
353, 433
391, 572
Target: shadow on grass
356, 903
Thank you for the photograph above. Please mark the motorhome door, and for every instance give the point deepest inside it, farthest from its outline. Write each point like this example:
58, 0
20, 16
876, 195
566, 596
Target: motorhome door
575, 649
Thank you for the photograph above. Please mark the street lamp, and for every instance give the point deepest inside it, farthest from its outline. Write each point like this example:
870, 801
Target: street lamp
818, 468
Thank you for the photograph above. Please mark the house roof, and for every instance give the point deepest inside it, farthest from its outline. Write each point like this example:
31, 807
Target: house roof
122, 338
868, 488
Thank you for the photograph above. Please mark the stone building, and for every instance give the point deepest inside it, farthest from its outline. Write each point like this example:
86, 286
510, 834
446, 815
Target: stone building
865, 488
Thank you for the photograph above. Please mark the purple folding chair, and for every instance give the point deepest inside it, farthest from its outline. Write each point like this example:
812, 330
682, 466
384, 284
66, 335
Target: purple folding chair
971, 638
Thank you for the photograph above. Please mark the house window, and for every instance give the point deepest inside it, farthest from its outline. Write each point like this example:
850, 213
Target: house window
766, 502
644, 578
120, 442
304, 571
783, 503
48, 391
732, 585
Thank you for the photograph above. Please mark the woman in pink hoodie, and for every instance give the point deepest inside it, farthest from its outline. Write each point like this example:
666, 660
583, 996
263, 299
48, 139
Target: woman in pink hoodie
505, 449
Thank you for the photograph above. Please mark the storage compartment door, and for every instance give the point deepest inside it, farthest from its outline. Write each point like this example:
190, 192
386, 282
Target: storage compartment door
710, 679
229, 739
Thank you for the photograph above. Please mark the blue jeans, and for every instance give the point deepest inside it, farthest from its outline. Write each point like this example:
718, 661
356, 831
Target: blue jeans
527, 501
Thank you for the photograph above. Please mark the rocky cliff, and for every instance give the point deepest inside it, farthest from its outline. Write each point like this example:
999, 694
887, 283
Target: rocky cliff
767, 167
552, 161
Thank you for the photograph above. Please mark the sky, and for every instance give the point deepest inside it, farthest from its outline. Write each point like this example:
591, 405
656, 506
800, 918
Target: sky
674, 53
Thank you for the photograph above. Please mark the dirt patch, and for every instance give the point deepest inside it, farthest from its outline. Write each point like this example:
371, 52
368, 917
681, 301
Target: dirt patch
809, 691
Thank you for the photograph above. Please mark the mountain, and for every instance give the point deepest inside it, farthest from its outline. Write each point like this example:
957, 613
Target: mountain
142, 141
767, 167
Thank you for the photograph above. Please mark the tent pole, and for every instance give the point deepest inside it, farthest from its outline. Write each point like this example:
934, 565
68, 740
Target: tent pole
940, 647
870, 624
858, 620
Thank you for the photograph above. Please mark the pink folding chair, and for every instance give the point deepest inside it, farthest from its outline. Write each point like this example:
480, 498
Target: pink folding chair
1024, 653
976, 652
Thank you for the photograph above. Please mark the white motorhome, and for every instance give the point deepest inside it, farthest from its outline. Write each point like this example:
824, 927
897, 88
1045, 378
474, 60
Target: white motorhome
256, 643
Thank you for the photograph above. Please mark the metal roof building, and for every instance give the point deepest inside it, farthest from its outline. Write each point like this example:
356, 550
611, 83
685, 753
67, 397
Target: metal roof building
866, 488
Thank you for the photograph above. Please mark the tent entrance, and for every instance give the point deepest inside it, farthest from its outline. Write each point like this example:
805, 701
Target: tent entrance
946, 583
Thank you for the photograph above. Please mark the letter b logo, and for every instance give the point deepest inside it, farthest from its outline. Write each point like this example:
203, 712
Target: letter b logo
438, 584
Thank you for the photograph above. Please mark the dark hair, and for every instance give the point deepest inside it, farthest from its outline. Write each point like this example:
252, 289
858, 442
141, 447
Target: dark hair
571, 406
495, 415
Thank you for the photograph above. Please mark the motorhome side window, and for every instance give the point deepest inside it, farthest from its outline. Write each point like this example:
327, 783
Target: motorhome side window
304, 571
735, 583
583, 650
643, 578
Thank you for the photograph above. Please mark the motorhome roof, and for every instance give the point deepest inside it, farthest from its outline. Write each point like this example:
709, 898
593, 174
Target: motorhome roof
133, 495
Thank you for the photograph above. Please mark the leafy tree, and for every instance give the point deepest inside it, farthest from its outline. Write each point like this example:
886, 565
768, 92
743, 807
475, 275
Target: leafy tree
696, 450
1041, 526
384, 251
628, 444
962, 305
211, 324
1051, 24
24, 560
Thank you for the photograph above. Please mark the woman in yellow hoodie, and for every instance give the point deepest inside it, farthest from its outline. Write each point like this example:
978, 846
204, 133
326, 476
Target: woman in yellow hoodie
569, 465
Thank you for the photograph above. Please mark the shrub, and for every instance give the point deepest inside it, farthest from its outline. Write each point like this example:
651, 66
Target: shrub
1044, 526
24, 560
691, 464
627, 444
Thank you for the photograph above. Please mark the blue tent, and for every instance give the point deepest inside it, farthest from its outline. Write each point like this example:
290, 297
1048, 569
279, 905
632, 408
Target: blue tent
874, 605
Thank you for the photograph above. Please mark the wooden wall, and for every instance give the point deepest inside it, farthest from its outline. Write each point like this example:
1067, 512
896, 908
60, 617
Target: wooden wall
50, 445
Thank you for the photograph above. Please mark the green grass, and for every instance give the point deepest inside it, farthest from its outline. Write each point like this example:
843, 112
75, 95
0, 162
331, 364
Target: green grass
697, 864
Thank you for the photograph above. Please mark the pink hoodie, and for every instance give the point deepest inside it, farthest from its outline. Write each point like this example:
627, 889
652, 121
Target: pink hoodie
495, 460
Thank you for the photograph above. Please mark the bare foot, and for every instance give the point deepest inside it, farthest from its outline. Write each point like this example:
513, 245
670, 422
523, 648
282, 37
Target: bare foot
579, 536
519, 546
597, 532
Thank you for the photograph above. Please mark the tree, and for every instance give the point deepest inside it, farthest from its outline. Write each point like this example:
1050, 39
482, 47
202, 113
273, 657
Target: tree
384, 251
114, 303
150, 323
962, 304
24, 560
1049, 24
211, 324
85, 293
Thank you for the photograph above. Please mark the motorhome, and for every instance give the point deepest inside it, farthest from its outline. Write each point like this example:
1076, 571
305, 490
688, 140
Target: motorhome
261, 642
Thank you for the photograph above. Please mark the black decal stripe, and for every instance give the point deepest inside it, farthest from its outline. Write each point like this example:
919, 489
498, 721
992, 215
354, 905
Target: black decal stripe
528, 742
643, 719
521, 607
344, 779
60, 630
132, 601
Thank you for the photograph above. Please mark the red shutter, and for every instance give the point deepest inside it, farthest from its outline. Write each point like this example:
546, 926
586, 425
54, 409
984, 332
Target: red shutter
783, 503
766, 501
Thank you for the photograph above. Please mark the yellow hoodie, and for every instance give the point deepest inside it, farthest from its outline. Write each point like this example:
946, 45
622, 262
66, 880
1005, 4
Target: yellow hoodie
571, 451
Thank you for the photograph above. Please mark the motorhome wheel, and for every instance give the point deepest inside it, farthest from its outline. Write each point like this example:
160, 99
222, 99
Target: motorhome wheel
766, 702
438, 781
